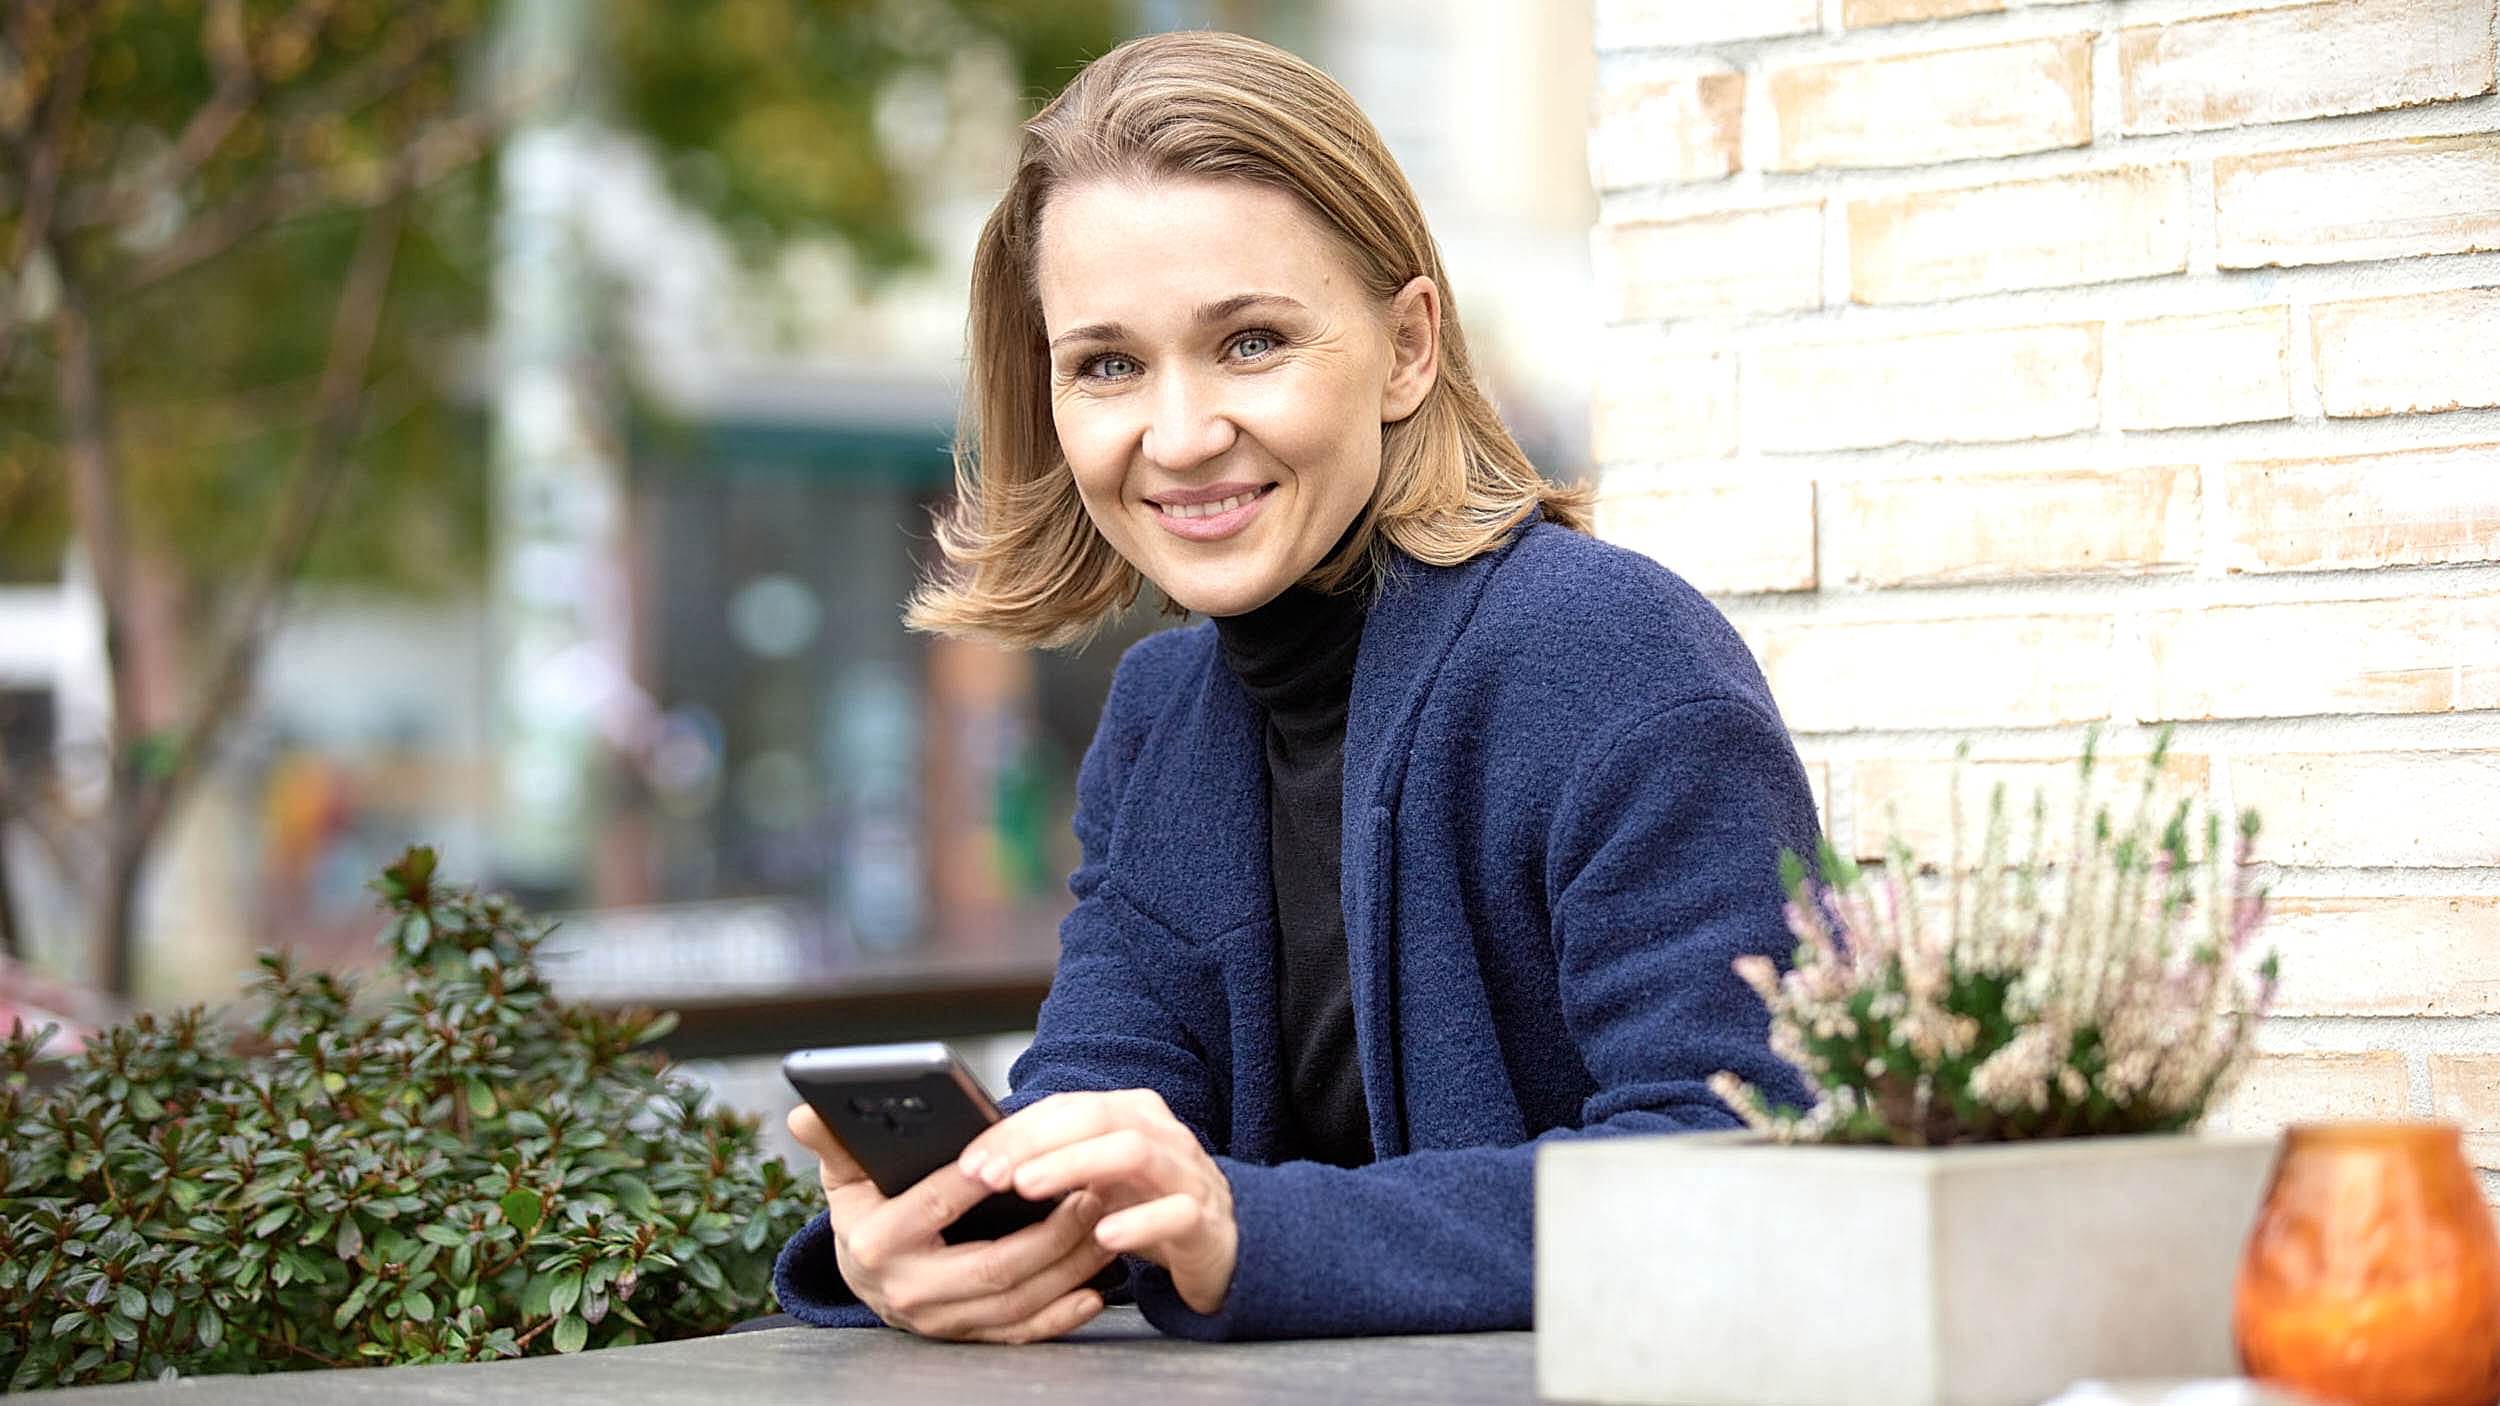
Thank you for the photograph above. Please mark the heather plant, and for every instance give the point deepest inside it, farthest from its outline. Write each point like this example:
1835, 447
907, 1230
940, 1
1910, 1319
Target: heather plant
466, 1169
2108, 992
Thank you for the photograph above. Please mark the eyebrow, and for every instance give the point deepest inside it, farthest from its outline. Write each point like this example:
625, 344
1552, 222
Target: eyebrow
1216, 311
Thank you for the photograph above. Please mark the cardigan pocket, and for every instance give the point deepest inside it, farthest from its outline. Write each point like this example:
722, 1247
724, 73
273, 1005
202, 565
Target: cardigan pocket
1184, 975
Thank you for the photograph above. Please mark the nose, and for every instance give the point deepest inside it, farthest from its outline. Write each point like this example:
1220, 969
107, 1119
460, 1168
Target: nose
1189, 426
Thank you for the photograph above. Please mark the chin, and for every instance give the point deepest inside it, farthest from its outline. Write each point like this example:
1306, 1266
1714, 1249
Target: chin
1214, 598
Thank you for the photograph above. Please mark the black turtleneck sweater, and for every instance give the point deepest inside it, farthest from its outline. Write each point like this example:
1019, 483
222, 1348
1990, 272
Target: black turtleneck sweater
1295, 656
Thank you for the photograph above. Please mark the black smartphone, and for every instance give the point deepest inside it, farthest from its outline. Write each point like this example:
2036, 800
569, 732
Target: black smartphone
902, 1112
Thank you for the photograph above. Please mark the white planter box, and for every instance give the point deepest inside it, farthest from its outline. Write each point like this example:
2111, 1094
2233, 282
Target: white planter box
1718, 1270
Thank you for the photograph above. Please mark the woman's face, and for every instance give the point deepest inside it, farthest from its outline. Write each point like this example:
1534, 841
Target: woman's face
1219, 378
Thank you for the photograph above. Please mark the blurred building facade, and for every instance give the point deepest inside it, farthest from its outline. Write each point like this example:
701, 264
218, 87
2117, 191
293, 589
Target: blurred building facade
2005, 369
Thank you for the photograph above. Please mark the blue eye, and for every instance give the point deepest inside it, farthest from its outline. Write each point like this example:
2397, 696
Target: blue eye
1250, 346
1111, 366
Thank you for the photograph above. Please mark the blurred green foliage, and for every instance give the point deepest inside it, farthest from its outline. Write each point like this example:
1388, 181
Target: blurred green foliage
768, 108
765, 113
212, 269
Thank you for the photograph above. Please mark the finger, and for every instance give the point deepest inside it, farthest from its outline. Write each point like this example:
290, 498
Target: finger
982, 1268
1069, 1313
1056, 1122
1169, 1222
1023, 1300
916, 1217
1052, 1122
1124, 1157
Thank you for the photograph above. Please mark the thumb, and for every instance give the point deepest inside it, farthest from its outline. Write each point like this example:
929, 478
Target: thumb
849, 1193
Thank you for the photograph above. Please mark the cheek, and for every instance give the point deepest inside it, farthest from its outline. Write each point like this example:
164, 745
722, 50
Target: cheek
1090, 440
1326, 428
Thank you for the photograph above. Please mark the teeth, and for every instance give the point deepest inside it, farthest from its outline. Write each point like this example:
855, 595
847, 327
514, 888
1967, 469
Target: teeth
1206, 509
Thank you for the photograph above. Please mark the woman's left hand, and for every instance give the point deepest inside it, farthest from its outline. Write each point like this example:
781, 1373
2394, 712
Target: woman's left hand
1169, 1202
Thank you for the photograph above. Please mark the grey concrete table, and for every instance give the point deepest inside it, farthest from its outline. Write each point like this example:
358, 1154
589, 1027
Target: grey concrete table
1115, 1359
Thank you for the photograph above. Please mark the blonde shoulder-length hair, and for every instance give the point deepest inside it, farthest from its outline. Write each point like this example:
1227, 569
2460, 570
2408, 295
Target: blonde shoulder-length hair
1023, 564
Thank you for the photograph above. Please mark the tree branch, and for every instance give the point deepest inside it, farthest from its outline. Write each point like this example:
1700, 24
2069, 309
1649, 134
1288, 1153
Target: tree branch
41, 156
441, 150
353, 332
412, 43
26, 806
230, 53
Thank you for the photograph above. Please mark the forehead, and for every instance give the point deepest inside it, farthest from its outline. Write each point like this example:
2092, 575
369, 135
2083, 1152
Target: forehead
1129, 251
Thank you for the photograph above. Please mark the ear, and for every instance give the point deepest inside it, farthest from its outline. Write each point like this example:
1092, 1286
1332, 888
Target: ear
1415, 345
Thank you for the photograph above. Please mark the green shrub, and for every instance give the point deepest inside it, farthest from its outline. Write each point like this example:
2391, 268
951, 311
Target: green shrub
467, 1170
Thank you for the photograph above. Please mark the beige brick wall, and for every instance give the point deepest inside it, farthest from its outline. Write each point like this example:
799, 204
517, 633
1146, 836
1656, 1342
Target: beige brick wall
2006, 365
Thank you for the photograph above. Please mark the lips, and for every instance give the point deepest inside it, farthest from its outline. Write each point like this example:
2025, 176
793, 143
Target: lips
1195, 510
1210, 515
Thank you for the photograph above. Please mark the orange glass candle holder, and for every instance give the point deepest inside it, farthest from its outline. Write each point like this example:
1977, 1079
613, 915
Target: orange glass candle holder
2373, 1275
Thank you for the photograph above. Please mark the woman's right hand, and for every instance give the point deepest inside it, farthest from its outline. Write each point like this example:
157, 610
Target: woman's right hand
1027, 1287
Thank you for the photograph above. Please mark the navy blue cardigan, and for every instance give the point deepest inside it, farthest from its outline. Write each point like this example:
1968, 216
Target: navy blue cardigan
1566, 789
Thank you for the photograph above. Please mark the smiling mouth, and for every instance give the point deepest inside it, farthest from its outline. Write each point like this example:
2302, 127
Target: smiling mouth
1220, 505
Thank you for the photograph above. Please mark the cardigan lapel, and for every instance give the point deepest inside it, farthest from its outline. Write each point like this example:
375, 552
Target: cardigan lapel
1406, 636
1190, 846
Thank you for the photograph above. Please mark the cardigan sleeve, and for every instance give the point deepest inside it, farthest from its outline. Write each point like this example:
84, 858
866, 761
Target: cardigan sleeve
1100, 1027
1662, 866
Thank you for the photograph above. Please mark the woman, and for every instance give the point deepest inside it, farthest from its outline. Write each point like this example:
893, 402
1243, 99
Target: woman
1436, 843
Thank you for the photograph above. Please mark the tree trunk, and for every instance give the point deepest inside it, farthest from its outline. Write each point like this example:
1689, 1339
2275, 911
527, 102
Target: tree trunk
159, 745
12, 943
96, 514
117, 900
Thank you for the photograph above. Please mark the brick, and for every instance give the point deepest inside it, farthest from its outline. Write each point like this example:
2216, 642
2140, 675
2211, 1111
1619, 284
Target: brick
2374, 200
1866, 14
2282, 1089
2223, 368
2422, 507
2465, 1089
1726, 538
1913, 799
2091, 228
1995, 671
2430, 810
2307, 61
1667, 24
1921, 109
2420, 354
1685, 128
1977, 527
1743, 261
2386, 956
1976, 387
2313, 658
1653, 403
